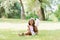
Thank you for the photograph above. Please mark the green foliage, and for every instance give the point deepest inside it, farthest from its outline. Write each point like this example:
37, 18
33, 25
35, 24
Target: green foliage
15, 11
31, 15
57, 13
52, 17
10, 9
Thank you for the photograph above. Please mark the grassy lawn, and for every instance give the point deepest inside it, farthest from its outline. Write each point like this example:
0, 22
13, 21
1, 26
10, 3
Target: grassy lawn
20, 20
42, 35
13, 35
13, 20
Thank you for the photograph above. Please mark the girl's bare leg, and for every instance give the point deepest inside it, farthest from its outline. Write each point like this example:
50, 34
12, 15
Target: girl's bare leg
22, 34
27, 33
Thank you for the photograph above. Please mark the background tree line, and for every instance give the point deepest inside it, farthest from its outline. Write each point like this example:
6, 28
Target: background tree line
25, 9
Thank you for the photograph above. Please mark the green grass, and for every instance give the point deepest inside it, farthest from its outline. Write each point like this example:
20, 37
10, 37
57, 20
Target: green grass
20, 20
13, 20
42, 35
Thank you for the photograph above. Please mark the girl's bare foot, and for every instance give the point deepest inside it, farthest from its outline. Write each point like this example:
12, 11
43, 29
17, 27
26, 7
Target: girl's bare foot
21, 34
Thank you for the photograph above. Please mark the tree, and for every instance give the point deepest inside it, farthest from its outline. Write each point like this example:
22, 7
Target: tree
22, 10
39, 6
42, 11
2, 11
33, 5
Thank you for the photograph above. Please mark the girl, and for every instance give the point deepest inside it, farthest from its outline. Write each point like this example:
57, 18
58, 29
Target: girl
32, 29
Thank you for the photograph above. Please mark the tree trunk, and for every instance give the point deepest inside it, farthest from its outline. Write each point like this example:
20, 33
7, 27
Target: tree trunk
42, 14
2, 12
22, 10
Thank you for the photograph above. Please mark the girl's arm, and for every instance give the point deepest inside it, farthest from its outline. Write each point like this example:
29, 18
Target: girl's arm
28, 28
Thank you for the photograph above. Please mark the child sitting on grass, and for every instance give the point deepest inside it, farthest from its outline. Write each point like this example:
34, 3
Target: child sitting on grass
32, 29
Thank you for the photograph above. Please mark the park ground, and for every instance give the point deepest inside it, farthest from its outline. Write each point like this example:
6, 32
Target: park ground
42, 35
10, 28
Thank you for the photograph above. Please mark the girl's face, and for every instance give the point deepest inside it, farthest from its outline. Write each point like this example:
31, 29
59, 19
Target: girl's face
31, 22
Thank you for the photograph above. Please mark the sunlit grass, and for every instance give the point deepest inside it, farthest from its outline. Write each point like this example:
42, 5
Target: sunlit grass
42, 35
13, 20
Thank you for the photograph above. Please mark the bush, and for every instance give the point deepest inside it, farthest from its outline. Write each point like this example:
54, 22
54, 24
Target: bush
31, 15
15, 11
10, 10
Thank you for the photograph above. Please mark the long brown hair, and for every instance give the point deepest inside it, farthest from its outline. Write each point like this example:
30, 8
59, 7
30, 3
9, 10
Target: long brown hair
32, 24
